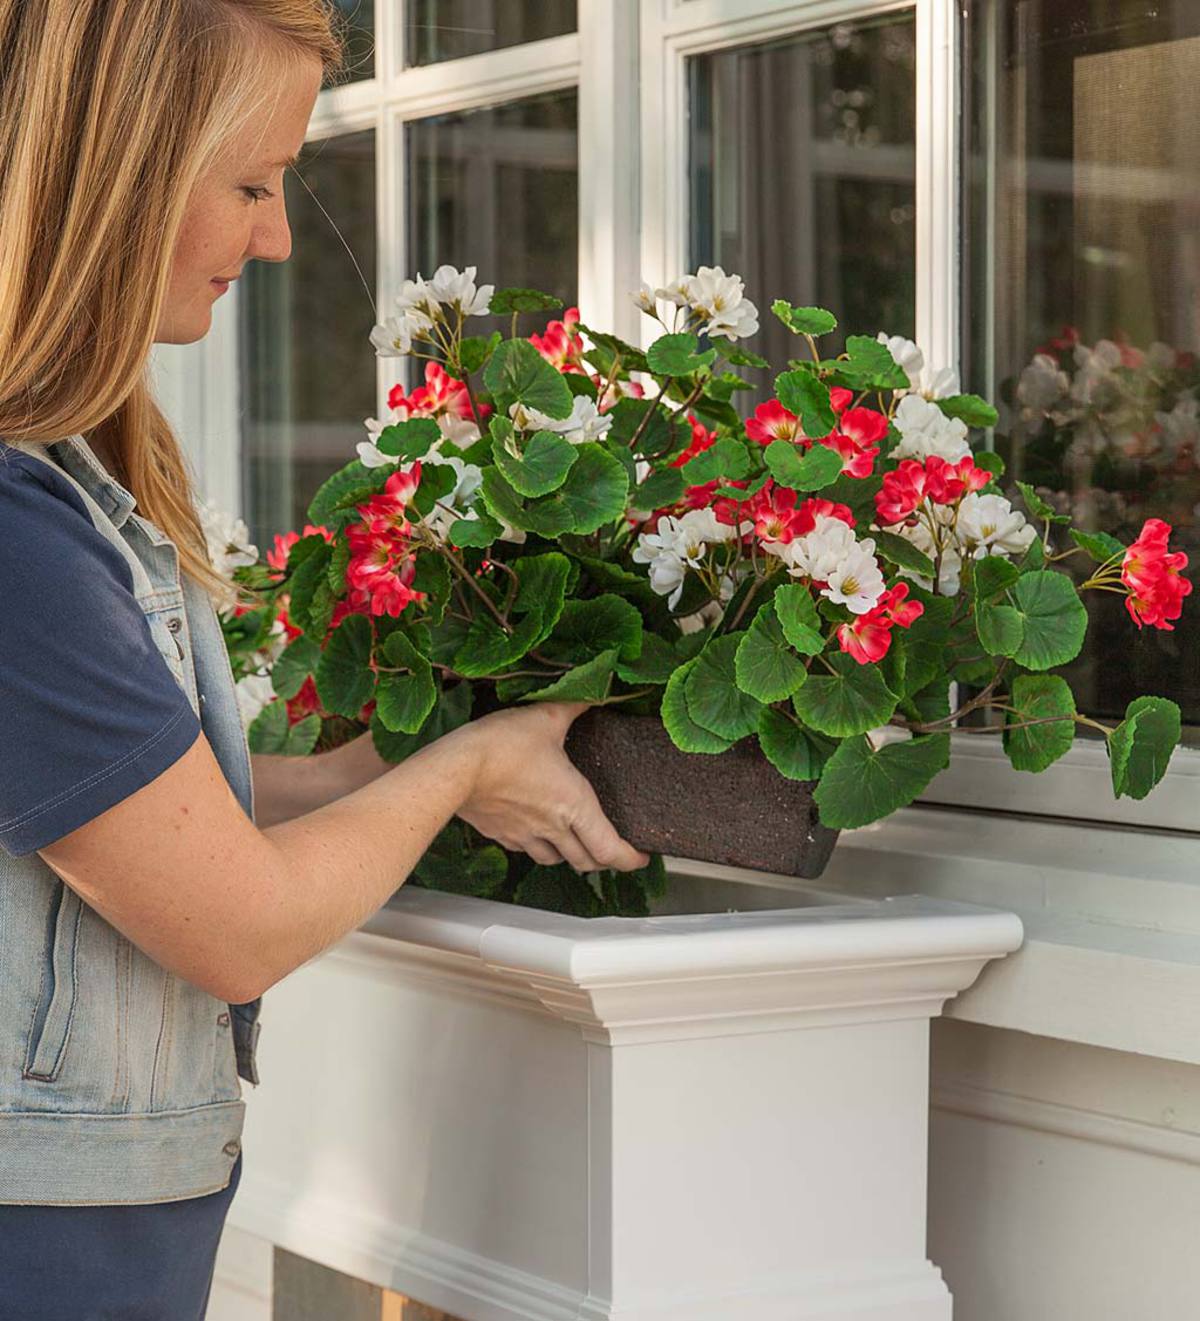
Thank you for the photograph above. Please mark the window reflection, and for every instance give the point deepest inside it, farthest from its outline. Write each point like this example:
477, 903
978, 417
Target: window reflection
802, 174
1084, 287
358, 31
438, 30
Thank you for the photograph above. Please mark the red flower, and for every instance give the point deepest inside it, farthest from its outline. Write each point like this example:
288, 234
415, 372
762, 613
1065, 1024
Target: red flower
702, 439
840, 399
305, 703
868, 637
774, 514
1151, 572
771, 421
947, 483
858, 460
278, 557
901, 493
814, 508
440, 394
380, 572
561, 346
386, 512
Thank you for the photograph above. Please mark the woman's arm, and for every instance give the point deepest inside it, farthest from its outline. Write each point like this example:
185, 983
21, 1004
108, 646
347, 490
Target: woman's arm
288, 787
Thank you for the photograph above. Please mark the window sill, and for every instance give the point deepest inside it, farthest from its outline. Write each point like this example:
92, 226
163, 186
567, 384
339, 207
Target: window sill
1112, 919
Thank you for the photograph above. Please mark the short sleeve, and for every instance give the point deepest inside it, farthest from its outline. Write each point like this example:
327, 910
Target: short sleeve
89, 709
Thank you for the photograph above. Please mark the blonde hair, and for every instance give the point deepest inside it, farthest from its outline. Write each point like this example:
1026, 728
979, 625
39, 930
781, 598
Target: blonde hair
110, 112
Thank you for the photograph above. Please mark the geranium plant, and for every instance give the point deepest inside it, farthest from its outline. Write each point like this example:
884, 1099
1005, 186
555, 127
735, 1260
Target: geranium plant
565, 516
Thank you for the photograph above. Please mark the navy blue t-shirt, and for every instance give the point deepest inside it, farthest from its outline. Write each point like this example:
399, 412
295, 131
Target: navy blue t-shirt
89, 710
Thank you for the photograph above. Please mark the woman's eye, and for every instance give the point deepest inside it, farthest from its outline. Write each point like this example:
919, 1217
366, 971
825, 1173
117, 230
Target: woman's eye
257, 194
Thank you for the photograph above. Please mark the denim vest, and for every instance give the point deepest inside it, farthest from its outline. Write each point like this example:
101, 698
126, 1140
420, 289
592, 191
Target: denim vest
120, 1080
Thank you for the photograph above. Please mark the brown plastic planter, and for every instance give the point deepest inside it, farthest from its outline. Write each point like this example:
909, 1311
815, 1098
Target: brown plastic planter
733, 808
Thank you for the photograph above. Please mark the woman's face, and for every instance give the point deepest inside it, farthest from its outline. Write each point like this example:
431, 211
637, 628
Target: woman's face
236, 212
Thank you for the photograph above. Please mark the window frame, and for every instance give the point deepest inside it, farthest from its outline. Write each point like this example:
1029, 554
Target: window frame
633, 224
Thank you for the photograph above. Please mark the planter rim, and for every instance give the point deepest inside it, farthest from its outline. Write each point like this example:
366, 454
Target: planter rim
910, 928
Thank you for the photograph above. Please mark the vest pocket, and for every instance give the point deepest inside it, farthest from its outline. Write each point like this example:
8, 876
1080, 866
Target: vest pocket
51, 1026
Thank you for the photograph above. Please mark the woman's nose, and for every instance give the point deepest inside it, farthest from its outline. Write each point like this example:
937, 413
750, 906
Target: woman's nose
272, 239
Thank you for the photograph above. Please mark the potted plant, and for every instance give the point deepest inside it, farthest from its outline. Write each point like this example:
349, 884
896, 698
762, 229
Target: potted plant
780, 617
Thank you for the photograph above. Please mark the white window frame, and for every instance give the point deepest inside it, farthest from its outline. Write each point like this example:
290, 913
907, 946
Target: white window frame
628, 60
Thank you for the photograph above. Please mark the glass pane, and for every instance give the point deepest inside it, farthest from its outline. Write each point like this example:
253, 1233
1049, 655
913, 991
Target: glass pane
308, 369
437, 30
809, 195
359, 32
1084, 291
498, 189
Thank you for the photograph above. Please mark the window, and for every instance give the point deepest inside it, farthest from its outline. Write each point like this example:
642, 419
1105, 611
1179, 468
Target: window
359, 29
809, 192
436, 30
308, 375
1082, 191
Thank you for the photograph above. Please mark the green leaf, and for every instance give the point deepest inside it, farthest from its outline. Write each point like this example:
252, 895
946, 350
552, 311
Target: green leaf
587, 628
659, 490
1039, 697
795, 752
559, 890
474, 352
542, 468
685, 733
765, 666
458, 861
869, 365
270, 732
320, 510
1054, 617
437, 481
628, 414
851, 700
797, 615
632, 359
518, 371
339, 562
992, 575
1140, 747
804, 320
861, 784
1001, 629
714, 700
1099, 545
506, 301
656, 663
589, 682
1038, 507
405, 700
300, 659
409, 440
989, 461
344, 679
741, 357
478, 532
676, 355
595, 493
303, 607
808, 398
724, 458
453, 709
903, 554
819, 468
487, 648
969, 408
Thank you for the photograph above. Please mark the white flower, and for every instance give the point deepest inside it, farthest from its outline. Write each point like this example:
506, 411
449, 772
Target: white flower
676, 292
453, 288
722, 300
460, 431
1043, 386
818, 553
253, 693
1181, 426
857, 582
586, 422
709, 613
939, 384
227, 538
394, 337
920, 536
989, 525
906, 355
925, 430
644, 298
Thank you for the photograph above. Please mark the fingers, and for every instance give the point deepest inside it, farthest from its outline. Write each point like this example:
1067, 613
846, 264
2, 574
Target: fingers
565, 713
541, 850
599, 837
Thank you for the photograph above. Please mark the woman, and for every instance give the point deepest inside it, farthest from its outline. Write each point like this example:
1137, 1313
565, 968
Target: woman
144, 905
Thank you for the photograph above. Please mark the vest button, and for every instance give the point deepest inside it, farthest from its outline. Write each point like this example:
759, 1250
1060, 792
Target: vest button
174, 623
232, 1148
223, 1020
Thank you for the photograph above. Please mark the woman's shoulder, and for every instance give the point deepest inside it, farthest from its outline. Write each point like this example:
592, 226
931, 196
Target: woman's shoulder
20, 471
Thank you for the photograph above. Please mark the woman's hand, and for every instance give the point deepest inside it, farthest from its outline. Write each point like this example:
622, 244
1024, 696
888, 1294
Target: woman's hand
528, 795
